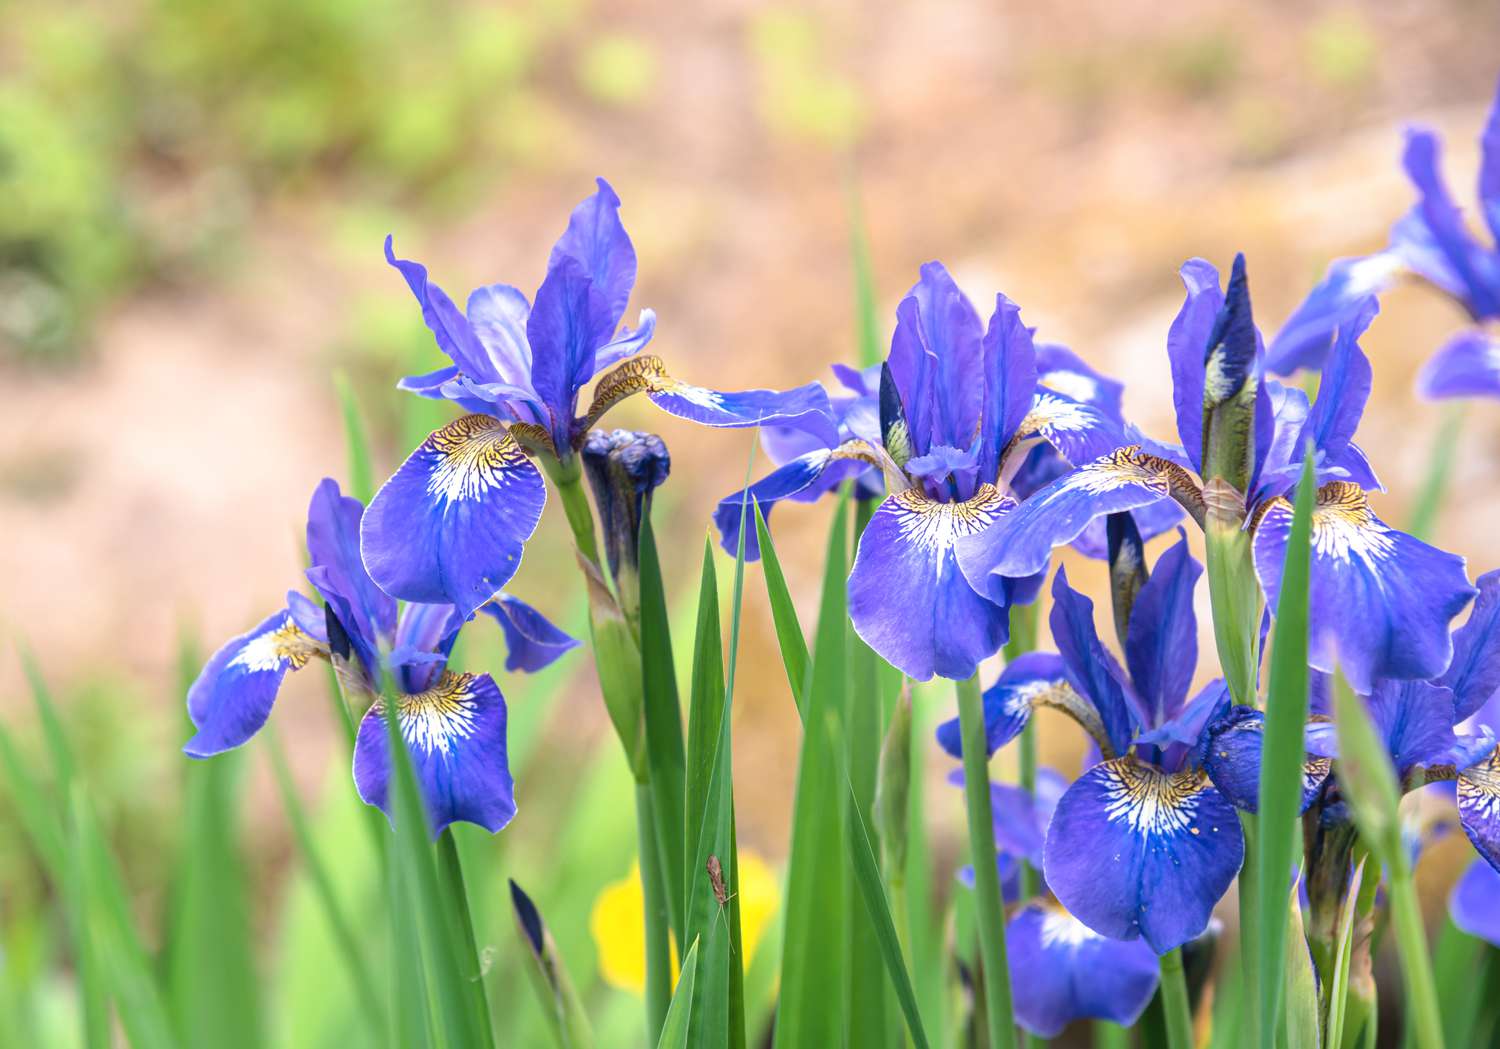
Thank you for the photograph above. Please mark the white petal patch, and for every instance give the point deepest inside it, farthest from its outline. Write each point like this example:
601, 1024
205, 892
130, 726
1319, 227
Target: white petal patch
1344, 526
1076, 385
265, 652
934, 527
1149, 800
472, 456
1061, 929
438, 718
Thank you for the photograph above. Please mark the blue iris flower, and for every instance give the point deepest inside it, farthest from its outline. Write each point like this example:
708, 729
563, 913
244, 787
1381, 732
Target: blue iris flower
1060, 969
958, 418
1434, 243
1381, 599
1143, 844
454, 723
450, 525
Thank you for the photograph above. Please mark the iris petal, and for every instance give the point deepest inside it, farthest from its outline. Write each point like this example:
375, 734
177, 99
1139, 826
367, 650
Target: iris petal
1091, 668
338, 573
1474, 674
1161, 646
1062, 971
532, 641
1307, 336
816, 471
1079, 431
1415, 718
1475, 902
1187, 344
449, 526
1135, 852
568, 323
1036, 679
449, 327
907, 598
455, 732
1479, 807
1010, 379
1062, 371
1381, 600
233, 695
1021, 543
596, 238
1232, 760
1467, 365
1489, 169
1445, 224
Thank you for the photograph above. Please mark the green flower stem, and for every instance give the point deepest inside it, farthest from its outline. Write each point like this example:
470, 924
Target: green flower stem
1234, 592
451, 871
1416, 965
1174, 997
1250, 931
658, 937
567, 479
1023, 628
990, 911
1430, 498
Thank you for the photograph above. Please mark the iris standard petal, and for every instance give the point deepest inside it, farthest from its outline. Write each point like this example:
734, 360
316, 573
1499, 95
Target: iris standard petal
1135, 852
532, 641
568, 323
1161, 644
1091, 668
455, 732
1467, 365
1479, 807
1021, 543
1010, 379
1381, 600
951, 333
233, 694
1489, 169
907, 598
1062, 371
1036, 679
1307, 336
1232, 760
1445, 224
449, 526
817, 470
1062, 971
598, 241
443, 319
1415, 719
1474, 673
1474, 904
1343, 389
627, 342
1080, 432
425, 635
337, 571
1187, 343
497, 315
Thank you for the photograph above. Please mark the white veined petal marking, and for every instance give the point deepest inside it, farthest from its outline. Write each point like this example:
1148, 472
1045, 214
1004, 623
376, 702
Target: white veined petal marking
1057, 415
1149, 800
473, 456
698, 395
441, 716
1479, 790
1344, 525
286, 643
934, 527
1061, 929
1120, 468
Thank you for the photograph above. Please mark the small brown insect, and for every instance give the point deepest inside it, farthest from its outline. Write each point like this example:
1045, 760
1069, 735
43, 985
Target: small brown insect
721, 894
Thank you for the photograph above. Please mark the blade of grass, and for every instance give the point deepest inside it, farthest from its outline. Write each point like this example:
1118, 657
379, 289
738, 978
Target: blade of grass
1176, 1010
1300, 1030
1343, 952
789, 637
866, 321
665, 751
1429, 502
1283, 754
814, 946
1456, 958
356, 441
674, 1032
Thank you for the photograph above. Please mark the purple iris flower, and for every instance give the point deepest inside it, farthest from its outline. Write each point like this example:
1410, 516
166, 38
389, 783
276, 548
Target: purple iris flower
454, 723
1381, 600
450, 525
1060, 969
1142, 845
959, 410
1434, 243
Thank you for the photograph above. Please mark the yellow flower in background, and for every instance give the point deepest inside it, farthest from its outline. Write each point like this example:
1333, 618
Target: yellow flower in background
619, 930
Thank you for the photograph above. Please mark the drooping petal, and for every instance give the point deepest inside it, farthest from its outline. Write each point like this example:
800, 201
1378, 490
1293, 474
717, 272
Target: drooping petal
1474, 904
805, 407
1415, 719
1489, 169
1021, 543
1183, 739
1307, 335
1036, 679
568, 323
1381, 600
1080, 432
455, 732
907, 598
1020, 826
1479, 270
816, 471
233, 694
1474, 673
1010, 379
626, 343
1467, 365
337, 570
1343, 389
1187, 343
443, 319
1232, 760
1161, 646
1062, 971
596, 238
1479, 807
532, 641
449, 526
1092, 670
1152, 520
1135, 852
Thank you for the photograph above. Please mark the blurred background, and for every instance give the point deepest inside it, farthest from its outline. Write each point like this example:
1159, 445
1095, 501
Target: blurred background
195, 193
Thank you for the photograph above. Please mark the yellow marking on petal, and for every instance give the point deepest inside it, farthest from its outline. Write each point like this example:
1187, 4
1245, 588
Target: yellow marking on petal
1343, 523
644, 374
934, 527
619, 934
287, 643
1131, 466
1059, 695
473, 454
1149, 800
441, 716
